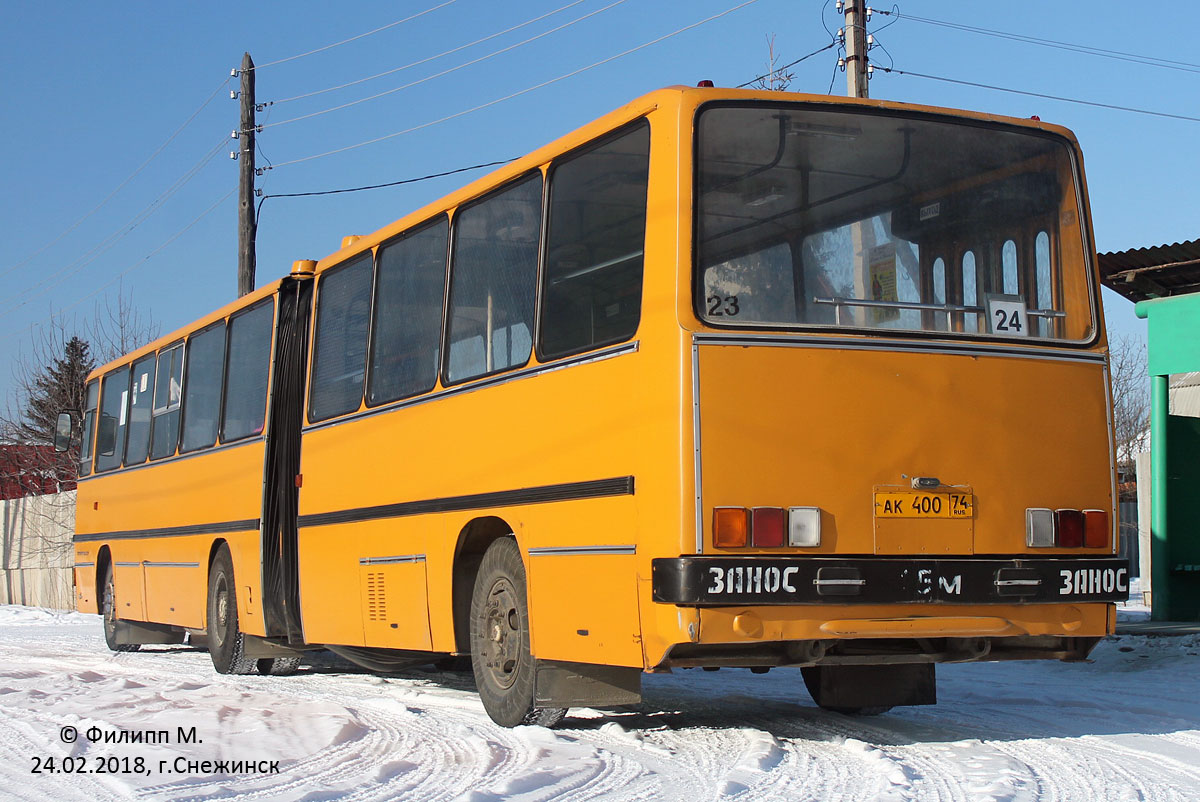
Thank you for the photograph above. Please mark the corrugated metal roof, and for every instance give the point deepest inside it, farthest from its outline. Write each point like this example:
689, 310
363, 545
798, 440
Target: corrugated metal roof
1157, 272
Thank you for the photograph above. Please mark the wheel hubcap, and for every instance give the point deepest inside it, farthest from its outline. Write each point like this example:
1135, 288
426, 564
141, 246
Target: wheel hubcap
502, 636
221, 613
110, 613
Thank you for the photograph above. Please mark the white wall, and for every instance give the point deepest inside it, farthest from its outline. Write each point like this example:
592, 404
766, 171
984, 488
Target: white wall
36, 552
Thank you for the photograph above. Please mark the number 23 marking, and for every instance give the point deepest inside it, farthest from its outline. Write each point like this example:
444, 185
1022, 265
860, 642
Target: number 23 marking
718, 306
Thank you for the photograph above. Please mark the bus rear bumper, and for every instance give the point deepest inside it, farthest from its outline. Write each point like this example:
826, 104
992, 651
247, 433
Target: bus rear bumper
703, 581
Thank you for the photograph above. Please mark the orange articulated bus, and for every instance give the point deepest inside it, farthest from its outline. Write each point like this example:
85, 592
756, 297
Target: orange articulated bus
723, 378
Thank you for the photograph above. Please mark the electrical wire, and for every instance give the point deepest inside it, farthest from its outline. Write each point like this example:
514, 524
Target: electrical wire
120, 276
1150, 61
785, 66
390, 183
120, 186
525, 91
426, 60
1093, 103
836, 64
56, 278
446, 71
355, 38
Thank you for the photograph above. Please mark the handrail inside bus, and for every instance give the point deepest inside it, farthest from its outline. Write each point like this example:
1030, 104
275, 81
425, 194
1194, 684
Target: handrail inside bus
1048, 313
583, 271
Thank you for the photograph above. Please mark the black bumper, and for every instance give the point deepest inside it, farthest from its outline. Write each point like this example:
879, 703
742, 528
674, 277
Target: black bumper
721, 581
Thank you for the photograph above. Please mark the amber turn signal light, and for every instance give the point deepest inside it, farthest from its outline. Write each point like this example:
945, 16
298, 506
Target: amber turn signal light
731, 527
1096, 532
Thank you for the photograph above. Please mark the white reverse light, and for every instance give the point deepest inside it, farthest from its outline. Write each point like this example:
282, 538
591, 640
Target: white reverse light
804, 526
1039, 527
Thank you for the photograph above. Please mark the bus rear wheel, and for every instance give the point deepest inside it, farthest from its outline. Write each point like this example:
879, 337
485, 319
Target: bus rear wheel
108, 609
226, 644
278, 666
505, 672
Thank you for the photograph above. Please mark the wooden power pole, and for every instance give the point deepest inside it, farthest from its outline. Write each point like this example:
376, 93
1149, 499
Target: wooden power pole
247, 224
856, 48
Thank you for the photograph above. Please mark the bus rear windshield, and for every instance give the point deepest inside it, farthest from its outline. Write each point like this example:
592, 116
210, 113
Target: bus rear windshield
873, 220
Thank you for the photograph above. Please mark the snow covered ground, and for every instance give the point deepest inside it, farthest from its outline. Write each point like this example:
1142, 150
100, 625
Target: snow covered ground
1124, 727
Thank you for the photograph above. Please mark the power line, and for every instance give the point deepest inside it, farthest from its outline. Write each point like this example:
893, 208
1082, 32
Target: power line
1150, 61
518, 93
145, 258
355, 38
56, 278
1096, 104
390, 183
785, 66
446, 71
154, 252
426, 60
120, 186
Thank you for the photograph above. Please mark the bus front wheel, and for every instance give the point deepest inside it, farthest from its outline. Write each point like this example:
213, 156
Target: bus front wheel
108, 609
500, 658
226, 644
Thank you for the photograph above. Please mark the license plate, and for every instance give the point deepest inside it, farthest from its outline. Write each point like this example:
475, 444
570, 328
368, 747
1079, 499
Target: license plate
917, 504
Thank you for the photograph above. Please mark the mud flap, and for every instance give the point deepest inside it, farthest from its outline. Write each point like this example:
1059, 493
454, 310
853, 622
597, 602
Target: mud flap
142, 632
841, 687
561, 684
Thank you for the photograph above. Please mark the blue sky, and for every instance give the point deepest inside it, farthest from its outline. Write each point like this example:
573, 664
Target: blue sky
92, 90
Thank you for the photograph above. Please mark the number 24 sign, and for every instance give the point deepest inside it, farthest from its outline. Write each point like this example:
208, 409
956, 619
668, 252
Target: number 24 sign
1007, 315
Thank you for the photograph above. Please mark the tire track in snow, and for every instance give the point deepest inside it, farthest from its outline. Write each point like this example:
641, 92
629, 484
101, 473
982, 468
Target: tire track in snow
1008, 733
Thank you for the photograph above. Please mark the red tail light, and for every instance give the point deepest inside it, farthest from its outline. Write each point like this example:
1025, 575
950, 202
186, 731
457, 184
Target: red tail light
1096, 532
731, 526
768, 526
1069, 526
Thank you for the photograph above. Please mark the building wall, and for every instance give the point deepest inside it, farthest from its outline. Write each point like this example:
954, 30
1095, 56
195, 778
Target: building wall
36, 555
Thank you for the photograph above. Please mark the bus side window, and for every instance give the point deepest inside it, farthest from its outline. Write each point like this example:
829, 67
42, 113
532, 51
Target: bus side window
407, 321
595, 237
970, 291
1045, 294
141, 395
246, 373
168, 392
340, 350
89, 426
1009, 267
202, 388
114, 416
492, 281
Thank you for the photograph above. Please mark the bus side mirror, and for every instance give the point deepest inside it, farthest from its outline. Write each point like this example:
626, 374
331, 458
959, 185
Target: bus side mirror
106, 436
63, 430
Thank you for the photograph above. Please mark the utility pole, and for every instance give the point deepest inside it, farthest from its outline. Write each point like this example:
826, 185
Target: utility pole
247, 224
856, 48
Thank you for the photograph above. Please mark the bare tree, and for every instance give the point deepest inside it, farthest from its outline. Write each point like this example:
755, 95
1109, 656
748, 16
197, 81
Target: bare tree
119, 326
1131, 398
775, 79
49, 377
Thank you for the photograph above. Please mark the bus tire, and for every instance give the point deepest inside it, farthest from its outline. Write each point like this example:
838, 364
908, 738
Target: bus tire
226, 645
108, 609
278, 666
504, 668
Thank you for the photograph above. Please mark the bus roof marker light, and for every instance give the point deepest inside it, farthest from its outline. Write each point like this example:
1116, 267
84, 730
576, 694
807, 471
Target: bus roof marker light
731, 527
1068, 525
767, 525
1039, 527
804, 526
